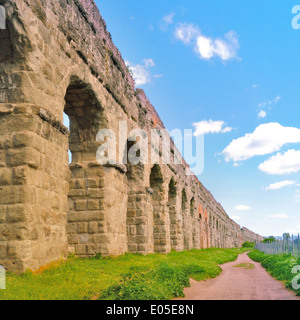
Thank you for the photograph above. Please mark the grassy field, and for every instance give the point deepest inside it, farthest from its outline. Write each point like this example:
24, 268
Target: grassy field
279, 266
128, 277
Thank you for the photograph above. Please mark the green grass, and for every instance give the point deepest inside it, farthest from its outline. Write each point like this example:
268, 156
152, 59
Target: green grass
279, 266
245, 266
131, 276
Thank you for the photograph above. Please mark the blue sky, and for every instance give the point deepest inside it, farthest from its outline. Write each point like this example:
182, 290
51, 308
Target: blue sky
229, 69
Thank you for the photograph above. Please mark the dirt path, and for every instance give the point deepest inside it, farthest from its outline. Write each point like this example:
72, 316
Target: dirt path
242, 279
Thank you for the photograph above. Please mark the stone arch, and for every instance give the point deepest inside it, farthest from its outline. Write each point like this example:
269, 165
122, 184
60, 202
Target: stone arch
137, 215
86, 118
160, 243
183, 201
194, 224
98, 194
175, 223
207, 233
84, 112
186, 220
192, 207
201, 226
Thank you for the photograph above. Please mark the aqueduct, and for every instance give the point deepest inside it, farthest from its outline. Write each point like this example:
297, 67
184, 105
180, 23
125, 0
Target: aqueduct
57, 56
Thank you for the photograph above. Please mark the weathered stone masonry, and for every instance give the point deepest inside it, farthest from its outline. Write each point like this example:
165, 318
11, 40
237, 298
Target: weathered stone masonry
57, 56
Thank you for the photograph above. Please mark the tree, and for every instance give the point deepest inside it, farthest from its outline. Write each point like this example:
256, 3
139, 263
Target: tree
286, 236
269, 240
248, 244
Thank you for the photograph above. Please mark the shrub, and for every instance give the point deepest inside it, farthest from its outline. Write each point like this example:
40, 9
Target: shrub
278, 265
160, 283
248, 244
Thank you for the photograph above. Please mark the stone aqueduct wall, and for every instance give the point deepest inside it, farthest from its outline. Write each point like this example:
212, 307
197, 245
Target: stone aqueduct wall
248, 235
57, 56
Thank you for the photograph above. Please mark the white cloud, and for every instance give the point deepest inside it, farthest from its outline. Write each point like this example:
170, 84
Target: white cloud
279, 216
269, 102
186, 32
277, 99
227, 49
206, 47
210, 126
168, 19
140, 73
236, 164
286, 163
149, 63
242, 207
235, 218
280, 185
267, 138
262, 114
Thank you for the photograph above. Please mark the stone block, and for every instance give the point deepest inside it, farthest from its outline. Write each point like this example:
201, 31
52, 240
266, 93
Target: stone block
80, 249
5, 176
82, 227
93, 204
80, 205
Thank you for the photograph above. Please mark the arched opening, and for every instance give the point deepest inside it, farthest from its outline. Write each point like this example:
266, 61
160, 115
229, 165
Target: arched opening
201, 227
137, 223
192, 207
8, 38
84, 114
183, 201
159, 228
185, 217
85, 119
67, 124
174, 224
194, 224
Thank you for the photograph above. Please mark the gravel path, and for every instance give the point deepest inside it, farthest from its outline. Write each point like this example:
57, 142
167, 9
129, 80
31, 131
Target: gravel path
242, 279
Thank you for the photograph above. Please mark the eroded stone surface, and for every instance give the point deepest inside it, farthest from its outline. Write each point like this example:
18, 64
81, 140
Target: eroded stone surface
57, 56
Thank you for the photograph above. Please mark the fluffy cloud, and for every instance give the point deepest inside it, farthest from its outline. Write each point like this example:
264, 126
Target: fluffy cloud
267, 138
210, 126
269, 102
262, 114
242, 207
280, 185
279, 216
186, 33
286, 163
206, 47
141, 73
168, 19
